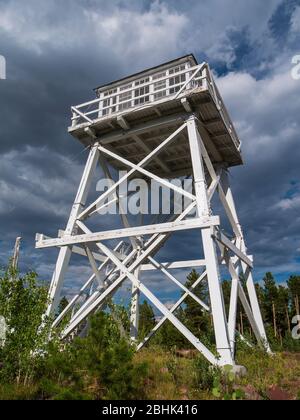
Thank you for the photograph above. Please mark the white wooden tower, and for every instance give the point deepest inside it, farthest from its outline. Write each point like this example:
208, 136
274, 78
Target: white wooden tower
165, 122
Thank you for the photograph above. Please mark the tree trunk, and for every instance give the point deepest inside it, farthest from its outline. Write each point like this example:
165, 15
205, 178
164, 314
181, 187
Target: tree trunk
274, 320
242, 323
280, 337
297, 305
288, 318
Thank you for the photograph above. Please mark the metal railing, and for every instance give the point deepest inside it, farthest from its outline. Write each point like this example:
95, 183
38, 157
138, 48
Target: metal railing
153, 90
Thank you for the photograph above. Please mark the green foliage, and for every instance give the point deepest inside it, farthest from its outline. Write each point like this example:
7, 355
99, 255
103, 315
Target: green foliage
224, 387
197, 320
169, 337
99, 366
220, 382
108, 358
103, 365
147, 319
22, 304
62, 305
205, 374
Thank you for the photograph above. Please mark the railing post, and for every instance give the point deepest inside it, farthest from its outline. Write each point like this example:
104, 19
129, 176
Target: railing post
74, 119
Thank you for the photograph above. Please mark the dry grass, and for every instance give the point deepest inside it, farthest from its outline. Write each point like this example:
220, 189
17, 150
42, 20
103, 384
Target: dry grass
174, 378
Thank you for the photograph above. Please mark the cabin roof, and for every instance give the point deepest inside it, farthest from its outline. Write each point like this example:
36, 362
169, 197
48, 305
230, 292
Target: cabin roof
150, 70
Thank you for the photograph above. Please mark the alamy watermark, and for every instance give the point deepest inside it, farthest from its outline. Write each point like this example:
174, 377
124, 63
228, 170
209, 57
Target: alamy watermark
296, 329
140, 197
295, 72
2, 68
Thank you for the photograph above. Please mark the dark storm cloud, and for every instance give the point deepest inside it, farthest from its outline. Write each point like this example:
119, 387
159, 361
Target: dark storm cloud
57, 52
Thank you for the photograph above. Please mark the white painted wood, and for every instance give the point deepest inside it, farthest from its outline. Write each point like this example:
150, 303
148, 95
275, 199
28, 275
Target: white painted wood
213, 275
143, 289
186, 105
175, 265
81, 291
147, 173
201, 278
129, 264
177, 282
219, 236
126, 233
146, 160
150, 247
65, 252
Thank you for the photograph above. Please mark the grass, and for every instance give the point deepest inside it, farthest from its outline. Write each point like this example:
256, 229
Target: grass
176, 378
173, 377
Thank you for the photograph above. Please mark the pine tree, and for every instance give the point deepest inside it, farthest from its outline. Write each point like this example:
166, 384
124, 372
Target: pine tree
62, 304
146, 320
282, 305
294, 293
196, 318
270, 298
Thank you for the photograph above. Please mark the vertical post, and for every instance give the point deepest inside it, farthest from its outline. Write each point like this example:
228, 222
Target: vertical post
210, 253
134, 311
234, 272
246, 270
15, 258
65, 252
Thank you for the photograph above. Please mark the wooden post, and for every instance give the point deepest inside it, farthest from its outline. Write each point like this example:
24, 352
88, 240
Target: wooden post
242, 323
288, 318
297, 305
15, 258
274, 320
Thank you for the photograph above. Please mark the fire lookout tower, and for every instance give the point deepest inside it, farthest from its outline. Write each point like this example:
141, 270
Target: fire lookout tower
165, 122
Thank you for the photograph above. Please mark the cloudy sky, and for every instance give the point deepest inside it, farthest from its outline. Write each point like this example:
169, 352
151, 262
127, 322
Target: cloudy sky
56, 52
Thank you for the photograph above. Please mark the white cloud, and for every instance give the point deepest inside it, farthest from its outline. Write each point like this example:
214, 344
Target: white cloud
265, 111
289, 203
135, 35
296, 21
27, 185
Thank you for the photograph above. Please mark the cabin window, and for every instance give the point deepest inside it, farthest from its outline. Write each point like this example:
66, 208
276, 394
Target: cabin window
177, 69
162, 84
160, 95
106, 103
159, 75
142, 81
142, 100
110, 92
174, 90
125, 105
141, 91
126, 87
125, 96
177, 79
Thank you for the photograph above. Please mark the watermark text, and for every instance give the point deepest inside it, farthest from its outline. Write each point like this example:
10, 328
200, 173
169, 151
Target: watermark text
2, 68
296, 329
296, 67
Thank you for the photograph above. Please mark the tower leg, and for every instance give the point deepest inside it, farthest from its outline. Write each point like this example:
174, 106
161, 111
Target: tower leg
134, 313
246, 270
212, 265
65, 252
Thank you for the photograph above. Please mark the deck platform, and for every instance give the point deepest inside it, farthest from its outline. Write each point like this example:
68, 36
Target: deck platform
136, 131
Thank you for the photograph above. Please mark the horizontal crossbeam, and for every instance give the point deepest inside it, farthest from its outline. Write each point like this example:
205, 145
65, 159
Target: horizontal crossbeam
175, 264
220, 237
126, 233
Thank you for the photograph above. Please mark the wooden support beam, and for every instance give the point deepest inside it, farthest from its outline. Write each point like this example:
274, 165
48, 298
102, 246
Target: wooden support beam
147, 149
186, 105
175, 265
126, 233
220, 237
123, 123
